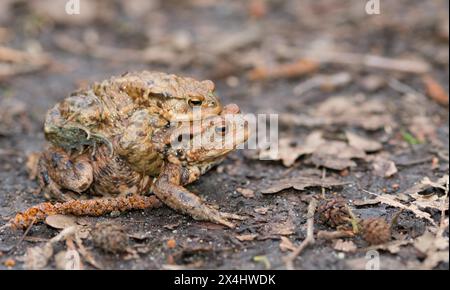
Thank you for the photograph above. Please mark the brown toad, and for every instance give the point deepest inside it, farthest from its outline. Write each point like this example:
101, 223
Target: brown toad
182, 154
123, 113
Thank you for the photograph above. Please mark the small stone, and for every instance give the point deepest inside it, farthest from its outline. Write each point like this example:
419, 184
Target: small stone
110, 237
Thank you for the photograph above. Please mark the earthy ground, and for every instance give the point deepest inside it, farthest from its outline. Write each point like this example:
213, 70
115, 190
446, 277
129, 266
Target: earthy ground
384, 124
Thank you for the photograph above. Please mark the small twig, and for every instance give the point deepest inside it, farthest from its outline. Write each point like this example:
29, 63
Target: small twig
23, 236
323, 81
324, 175
309, 240
414, 162
326, 235
404, 88
369, 61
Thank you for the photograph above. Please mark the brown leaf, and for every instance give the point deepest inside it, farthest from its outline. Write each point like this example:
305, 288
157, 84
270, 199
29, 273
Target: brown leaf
332, 162
432, 200
435, 91
391, 200
384, 167
286, 244
261, 210
246, 192
392, 247
289, 149
362, 143
340, 150
352, 111
301, 183
345, 246
37, 258
336, 155
248, 237
59, 221
360, 202
434, 247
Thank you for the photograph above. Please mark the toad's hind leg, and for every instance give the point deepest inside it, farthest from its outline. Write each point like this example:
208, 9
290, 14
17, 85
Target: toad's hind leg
59, 171
168, 189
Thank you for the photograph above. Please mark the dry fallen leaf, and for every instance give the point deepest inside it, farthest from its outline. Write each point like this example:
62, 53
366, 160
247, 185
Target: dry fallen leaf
435, 90
289, 149
286, 244
392, 201
280, 228
345, 246
353, 111
332, 162
360, 202
392, 247
59, 221
37, 257
431, 200
68, 260
331, 154
336, 155
261, 210
434, 247
247, 237
383, 167
301, 183
246, 192
362, 143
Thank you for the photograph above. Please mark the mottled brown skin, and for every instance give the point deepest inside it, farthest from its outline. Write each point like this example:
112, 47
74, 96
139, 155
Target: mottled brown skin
67, 176
123, 112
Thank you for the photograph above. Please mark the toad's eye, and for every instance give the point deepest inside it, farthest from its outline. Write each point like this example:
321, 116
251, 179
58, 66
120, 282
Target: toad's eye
222, 130
195, 102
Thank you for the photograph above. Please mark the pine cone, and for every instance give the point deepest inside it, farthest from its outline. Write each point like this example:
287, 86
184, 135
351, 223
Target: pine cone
376, 231
334, 212
110, 237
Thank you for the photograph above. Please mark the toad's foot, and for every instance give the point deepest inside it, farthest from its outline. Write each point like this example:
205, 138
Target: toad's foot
92, 207
168, 189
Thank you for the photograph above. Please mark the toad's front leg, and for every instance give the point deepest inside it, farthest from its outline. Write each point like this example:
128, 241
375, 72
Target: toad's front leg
169, 190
